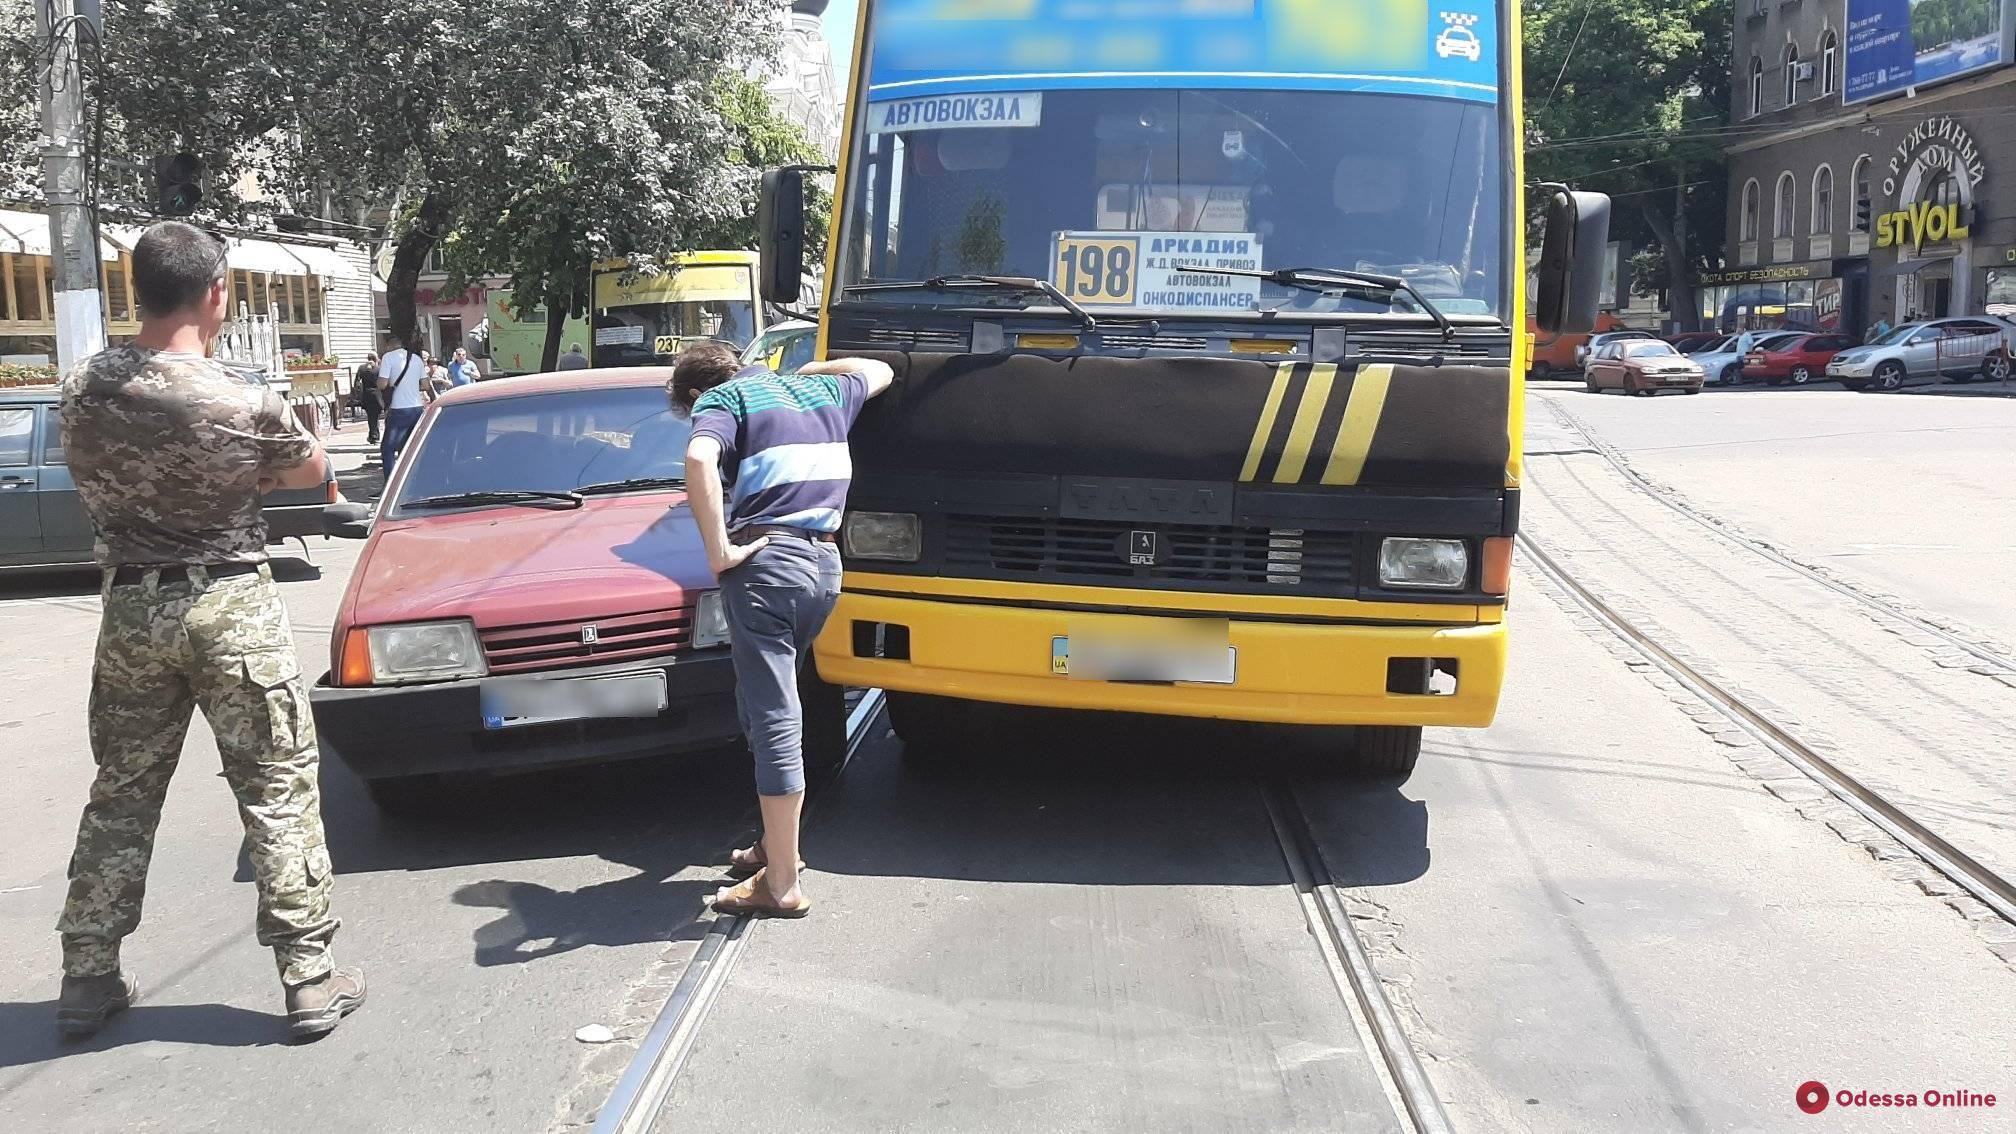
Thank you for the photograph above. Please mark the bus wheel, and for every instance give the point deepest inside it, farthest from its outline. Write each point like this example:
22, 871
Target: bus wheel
1386, 752
930, 728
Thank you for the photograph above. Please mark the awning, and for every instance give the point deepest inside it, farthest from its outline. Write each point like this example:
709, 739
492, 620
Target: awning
1913, 267
27, 234
323, 261
262, 256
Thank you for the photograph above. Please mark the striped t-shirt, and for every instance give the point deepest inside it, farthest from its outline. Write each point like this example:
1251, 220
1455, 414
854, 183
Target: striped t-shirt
783, 445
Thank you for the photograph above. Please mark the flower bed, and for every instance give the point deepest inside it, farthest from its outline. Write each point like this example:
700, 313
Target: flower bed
14, 374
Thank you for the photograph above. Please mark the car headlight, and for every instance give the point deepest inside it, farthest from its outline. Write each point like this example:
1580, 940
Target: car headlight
1435, 564
710, 621
425, 651
894, 536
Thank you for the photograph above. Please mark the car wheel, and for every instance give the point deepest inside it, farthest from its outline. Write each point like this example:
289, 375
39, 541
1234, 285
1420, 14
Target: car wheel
1385, 752
408, 797
1590, 385
1732, 375
931, 728
1801, 375
1540, 371
1890, 377
1639, 391
1997, 368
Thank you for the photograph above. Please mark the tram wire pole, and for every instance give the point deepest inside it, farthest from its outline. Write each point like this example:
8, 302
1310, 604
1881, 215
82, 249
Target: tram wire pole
73, 229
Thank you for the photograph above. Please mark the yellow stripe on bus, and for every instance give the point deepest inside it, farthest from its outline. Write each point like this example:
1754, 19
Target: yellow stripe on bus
1266, 427
1361, 421
1315, 396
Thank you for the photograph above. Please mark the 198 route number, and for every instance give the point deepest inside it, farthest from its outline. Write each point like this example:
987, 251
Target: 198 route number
1097, 271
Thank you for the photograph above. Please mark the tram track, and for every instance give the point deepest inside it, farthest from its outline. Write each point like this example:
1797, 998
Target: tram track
1984, 884
1985, 654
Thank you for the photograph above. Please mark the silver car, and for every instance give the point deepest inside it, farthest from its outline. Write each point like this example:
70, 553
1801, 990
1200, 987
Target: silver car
1957, 350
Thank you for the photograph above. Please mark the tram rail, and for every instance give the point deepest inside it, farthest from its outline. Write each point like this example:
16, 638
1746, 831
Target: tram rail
1994, 891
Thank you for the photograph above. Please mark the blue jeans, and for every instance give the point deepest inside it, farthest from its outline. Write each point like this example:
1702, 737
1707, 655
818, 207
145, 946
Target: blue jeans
776, 602
399, 425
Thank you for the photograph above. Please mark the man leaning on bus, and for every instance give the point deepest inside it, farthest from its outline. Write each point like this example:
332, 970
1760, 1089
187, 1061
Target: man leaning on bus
780, 443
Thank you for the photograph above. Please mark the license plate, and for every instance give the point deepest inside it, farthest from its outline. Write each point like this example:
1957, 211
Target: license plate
1106, 660
512, 702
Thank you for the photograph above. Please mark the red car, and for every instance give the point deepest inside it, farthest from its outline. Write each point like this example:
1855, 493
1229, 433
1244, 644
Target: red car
532, 592
1797, 361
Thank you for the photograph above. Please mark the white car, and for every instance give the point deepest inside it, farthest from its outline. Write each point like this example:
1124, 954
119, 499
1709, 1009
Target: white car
1458, 42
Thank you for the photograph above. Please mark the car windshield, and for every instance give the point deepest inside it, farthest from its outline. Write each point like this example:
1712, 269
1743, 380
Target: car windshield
557, 442
1713, 346
1108, 194
1899, 334
1648, 350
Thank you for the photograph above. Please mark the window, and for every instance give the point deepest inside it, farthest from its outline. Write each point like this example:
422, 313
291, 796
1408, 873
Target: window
52, 437
1749, 227
1942, 191
1830, 58
1756, 85
1791, 74
1781, 213
1860, 183
28, 305
17, 430
1822, 220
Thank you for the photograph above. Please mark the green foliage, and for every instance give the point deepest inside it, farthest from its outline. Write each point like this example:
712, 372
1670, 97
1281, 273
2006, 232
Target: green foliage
1619, 96
14, 374
1934, 22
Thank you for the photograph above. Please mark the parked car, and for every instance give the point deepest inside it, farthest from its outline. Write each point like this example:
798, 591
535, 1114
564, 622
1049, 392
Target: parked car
784, 347
1554, 353
1720, 361
532, 592
43, 523
1798, 360
1691, 341
1959, 350
1642, 367
1583, 354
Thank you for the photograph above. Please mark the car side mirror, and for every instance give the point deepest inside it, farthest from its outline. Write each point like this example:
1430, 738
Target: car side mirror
780, 227
1571, 261
348, 520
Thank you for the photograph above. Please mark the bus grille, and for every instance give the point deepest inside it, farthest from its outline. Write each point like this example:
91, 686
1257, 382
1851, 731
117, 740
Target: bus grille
1243, 559
563, 645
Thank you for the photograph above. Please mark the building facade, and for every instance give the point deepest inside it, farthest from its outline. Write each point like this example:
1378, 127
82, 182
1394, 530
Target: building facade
1873, 179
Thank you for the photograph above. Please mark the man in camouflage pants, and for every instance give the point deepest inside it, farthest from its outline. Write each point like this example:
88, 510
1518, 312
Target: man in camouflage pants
171, 453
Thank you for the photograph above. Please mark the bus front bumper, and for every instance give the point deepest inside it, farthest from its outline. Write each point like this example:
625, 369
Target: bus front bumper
1284, 672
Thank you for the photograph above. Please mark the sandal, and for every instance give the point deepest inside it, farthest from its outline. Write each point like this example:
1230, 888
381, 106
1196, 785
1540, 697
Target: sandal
745, 861
752, 897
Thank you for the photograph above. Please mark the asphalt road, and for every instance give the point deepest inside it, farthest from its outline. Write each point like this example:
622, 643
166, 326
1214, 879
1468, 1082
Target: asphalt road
1911, 494
1598, 914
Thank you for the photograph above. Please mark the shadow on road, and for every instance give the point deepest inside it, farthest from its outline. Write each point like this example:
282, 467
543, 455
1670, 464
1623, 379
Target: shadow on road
28, 1029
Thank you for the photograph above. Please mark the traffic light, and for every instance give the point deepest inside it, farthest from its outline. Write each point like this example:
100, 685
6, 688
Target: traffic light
178, 185
1861, 214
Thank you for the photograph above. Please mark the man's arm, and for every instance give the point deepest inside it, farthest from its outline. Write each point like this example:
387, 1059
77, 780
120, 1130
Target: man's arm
703, 494
875, 375
311, 473
289, 456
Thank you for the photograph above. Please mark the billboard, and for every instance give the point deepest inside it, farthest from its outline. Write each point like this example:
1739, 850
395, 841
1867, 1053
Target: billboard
927, 50
1894, 45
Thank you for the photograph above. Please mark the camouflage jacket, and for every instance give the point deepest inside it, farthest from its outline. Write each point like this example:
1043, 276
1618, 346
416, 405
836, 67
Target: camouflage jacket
167, 451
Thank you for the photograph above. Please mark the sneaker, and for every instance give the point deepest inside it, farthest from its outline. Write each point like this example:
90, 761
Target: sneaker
314, 1009
88, 1002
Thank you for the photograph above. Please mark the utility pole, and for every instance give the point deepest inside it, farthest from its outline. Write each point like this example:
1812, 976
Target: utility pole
73, 230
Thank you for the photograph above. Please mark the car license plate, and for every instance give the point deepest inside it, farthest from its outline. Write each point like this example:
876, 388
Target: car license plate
1105, 659
511, 702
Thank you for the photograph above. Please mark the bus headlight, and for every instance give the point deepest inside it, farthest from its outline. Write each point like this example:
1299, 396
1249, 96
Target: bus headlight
1432, 564
710, 621
894, 536
425, 651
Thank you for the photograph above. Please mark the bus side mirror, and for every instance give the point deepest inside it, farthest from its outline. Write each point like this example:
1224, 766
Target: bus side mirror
1571, 261
780, 225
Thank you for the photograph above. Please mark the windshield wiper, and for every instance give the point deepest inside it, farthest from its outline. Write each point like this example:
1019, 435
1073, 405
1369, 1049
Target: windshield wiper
1331, 279
635, 482
505, 496
1001, 283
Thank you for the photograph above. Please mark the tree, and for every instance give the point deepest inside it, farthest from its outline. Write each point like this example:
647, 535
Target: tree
1641, 125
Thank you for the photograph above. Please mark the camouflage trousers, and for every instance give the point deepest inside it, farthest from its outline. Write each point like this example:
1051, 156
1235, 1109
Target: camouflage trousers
165, 649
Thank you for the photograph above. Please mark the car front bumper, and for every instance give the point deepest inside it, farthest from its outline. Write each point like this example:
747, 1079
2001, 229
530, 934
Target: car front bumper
401, 730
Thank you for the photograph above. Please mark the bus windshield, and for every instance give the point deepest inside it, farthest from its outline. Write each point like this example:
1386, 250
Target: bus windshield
1126, 198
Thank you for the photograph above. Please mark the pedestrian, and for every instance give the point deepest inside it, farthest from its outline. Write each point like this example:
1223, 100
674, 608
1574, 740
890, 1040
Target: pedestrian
780, 443
573, 359
462, 370
403, 387
364, 395
171, 452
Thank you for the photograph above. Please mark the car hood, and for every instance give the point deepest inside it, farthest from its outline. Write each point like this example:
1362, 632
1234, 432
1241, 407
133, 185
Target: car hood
510, 566
1858, 354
